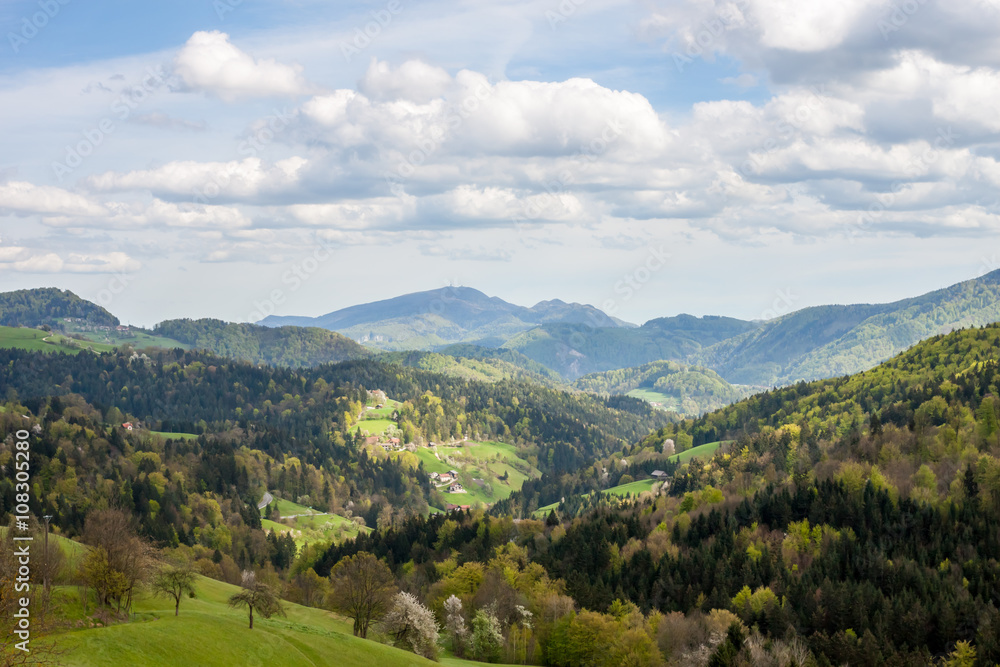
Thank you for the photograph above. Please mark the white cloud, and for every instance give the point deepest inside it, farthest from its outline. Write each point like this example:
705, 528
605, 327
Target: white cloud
210, 63
25, 260
23, 198
205, 180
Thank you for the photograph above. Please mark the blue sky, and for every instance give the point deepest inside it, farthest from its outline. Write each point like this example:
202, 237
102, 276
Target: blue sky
783, 154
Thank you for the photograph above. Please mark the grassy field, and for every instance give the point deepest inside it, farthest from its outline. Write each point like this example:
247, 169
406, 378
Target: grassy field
488, 461
701, 451
316, 528
374, 426
633, 488
35, 340
209, 633
659, 401
136, 339
176, 436
384, 412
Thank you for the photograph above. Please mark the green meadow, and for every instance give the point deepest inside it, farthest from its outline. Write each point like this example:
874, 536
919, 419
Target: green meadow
209, 633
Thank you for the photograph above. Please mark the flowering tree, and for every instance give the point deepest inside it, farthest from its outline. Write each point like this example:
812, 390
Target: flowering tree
412, 626
455, 624
487, 636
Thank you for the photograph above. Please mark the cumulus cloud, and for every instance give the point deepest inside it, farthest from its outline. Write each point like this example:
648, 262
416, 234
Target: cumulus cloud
23, 198
25, 260
205, 180
209, 62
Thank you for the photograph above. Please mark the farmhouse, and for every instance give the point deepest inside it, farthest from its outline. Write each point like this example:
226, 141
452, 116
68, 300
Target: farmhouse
446, 478
456, 488
659, 474
128, 426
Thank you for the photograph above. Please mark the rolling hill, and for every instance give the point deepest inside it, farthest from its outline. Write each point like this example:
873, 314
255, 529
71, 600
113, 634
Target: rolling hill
35, 307
286, 346
670, 385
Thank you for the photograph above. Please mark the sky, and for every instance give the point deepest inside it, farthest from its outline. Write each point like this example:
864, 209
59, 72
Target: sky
240, 158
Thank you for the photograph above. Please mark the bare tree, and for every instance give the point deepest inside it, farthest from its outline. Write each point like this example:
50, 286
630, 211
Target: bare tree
129, 557
174, 581
362, 589
257, 595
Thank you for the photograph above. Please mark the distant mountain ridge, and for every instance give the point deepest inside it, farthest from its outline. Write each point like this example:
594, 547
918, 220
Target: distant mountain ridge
435, 318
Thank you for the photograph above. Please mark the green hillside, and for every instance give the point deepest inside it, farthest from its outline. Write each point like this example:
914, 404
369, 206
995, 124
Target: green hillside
36, 340
670, 385
472, 362
34, 307
296, 347
209, 633
829, 341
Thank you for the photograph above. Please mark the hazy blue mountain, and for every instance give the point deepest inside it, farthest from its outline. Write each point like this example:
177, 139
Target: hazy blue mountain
575, 350
829, 341
812, 343
432, 319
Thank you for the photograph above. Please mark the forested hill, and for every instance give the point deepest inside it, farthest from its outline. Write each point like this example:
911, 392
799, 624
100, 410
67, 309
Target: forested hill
853, 521
916, 389
286, 346
191, 391
694, 390
35, 307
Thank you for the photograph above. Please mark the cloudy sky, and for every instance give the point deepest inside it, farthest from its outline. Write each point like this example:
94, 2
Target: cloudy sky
232, 158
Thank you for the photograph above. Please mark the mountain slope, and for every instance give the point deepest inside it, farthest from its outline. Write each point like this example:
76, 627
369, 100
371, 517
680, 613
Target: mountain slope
576, 350
428, 320
690, 390
34, 307
828, 341
284, 346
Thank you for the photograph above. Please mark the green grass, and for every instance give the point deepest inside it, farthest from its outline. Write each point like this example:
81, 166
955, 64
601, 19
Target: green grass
209, 633
35, 340
374, 426
488, 461
316, 528
633, 488
661, 401
136, 339
385, 412
701, 451
176, 436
